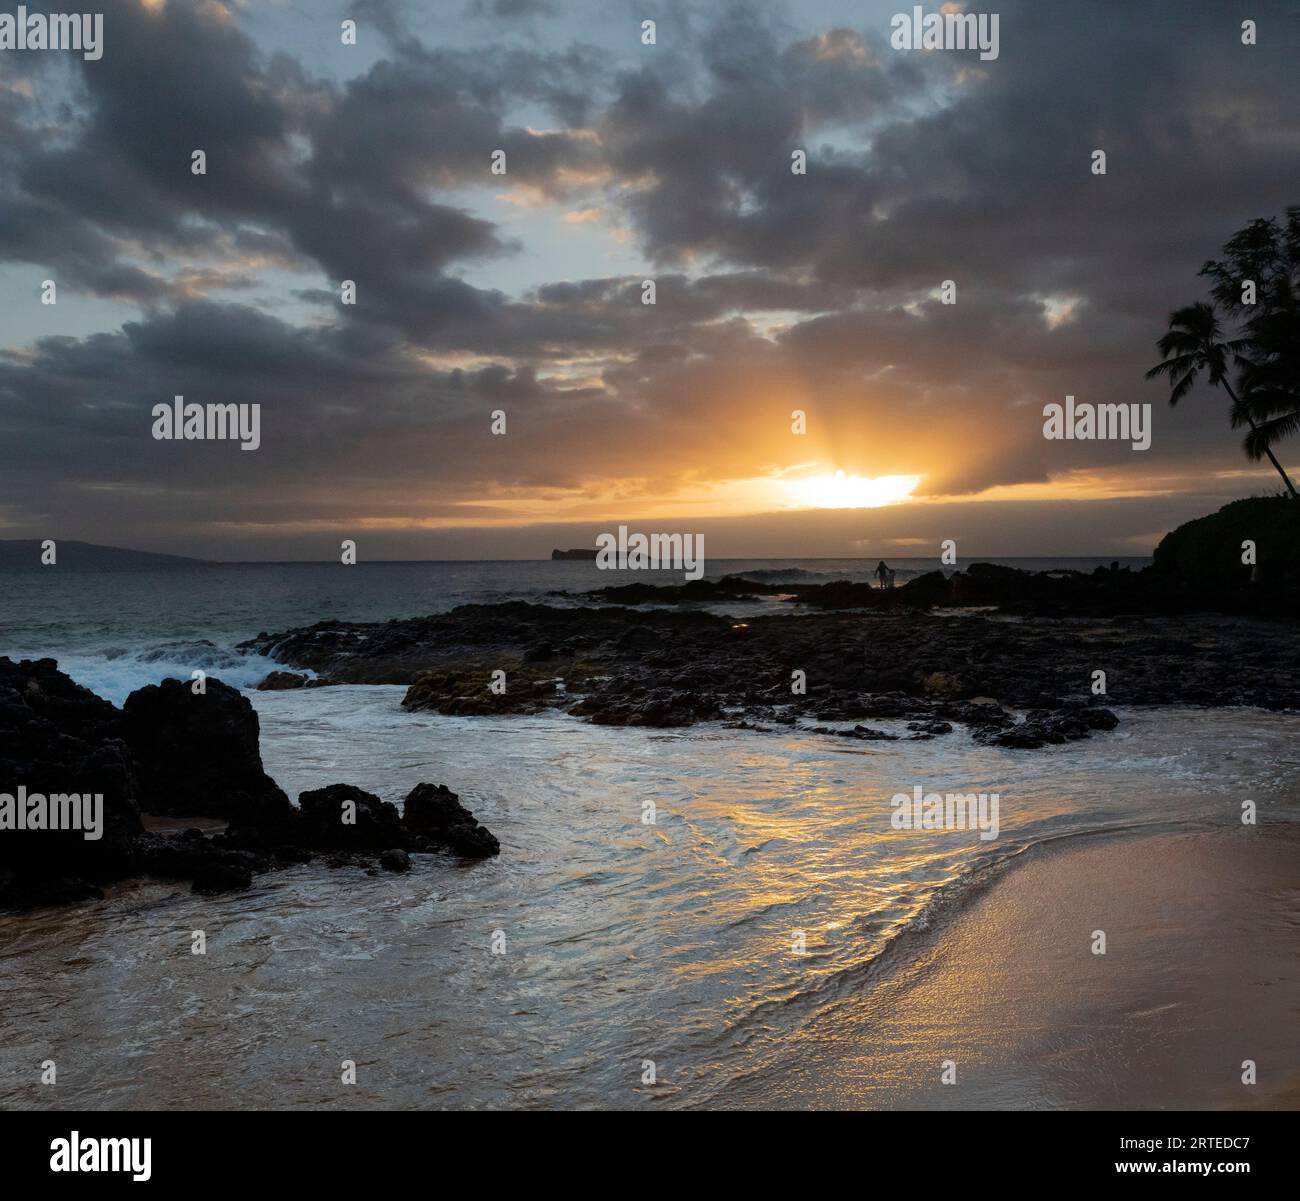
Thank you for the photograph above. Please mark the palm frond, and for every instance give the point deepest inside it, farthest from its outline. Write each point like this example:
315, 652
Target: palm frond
1266, 433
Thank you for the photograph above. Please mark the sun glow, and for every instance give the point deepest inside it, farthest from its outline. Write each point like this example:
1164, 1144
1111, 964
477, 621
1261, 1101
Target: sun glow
841, 491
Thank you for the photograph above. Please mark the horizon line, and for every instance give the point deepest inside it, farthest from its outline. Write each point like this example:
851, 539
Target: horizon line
194, 561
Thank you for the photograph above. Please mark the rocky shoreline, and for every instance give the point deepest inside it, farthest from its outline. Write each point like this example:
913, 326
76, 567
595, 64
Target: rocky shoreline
1016, 659
1011, 655
171, 752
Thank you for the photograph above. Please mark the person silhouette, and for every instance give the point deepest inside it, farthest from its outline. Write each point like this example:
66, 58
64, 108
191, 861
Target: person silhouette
882, 573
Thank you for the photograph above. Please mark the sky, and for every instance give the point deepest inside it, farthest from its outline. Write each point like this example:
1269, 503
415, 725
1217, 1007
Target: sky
522, 293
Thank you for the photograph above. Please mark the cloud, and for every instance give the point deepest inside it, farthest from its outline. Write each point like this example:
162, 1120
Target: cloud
774, 290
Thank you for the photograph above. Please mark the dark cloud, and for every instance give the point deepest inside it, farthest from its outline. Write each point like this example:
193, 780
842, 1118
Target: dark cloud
774, 290
512, 8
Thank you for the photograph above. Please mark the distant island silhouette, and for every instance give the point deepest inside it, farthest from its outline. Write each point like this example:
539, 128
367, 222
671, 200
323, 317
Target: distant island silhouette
26, 552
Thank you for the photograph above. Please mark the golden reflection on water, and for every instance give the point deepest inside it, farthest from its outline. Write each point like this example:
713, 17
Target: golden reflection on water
674, 941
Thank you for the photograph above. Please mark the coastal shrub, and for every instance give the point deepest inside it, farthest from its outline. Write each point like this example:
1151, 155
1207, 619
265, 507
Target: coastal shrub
1207, 552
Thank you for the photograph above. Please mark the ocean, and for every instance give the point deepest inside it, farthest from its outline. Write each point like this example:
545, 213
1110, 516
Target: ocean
709, 944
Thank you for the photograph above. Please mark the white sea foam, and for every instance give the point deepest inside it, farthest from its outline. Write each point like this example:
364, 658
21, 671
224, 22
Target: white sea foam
115, 672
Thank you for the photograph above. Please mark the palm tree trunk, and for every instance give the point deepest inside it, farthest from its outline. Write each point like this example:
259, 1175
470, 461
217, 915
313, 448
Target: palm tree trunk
1268, 450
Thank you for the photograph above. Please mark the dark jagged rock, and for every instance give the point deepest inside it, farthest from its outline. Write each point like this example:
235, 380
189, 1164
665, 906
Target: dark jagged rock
43, 691
1042, 727
930, 727
395, 861
866, 653
868, 734
198, 754
862, 733
730, 588
432, 819
342, 817
192, 855
851, 705
470, 693
636, 669
932, 588
1094, 717
222, 877
399, 652
844, 594
437, 820
58, 738
663, 708
280, 681
1197, 568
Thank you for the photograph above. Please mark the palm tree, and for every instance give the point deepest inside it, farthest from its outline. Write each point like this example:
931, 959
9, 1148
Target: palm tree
1270, 382
1194, 343
1266, 252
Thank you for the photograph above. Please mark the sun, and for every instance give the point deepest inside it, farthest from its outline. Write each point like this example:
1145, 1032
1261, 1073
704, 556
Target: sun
841, 491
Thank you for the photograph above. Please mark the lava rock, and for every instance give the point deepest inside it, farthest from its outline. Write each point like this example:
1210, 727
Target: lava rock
395, 860
436, 819
222, 877
930, 727
280, 681
198, 754
59, 738
371, 824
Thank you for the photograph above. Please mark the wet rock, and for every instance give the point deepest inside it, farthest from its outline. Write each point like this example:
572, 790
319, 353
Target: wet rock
626, 702
928, 589
199, 755
467, 694
1043, 727
184, 753
341, 817
279, 681
1095, 717
974, 713
930, 728
732, 588
437, 820
59, 738
291, 854
863, 733
222, 877
193, 855
890, 705
866, 653
395, 860
1022, 737
867, 734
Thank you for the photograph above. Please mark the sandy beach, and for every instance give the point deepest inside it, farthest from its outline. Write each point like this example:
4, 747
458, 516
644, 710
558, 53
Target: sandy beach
1201, 972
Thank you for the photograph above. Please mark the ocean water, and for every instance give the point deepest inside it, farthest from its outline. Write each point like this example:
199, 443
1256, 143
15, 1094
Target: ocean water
769, 887
621, 942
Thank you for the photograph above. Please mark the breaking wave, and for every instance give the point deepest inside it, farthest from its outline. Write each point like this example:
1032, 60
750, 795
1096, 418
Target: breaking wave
114, 672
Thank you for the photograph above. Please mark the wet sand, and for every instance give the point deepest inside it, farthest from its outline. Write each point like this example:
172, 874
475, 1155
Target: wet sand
1201, 972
